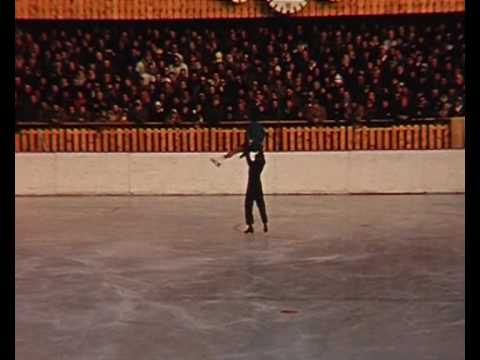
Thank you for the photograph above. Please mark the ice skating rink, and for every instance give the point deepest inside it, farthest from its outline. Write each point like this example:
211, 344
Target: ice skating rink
153, 278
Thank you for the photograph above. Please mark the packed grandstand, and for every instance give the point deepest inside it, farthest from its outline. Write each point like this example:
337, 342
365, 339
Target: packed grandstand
207, 73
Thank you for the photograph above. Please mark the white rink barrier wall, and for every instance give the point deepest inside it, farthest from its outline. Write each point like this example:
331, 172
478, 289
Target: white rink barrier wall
355, 172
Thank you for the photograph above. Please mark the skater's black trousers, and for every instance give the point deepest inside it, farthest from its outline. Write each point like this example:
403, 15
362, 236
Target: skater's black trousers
254, 189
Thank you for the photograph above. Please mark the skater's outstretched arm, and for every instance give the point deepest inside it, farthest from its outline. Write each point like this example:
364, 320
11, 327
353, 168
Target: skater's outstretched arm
236, 151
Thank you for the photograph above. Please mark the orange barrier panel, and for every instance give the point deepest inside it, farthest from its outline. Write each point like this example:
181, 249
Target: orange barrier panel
191, 140
278, 139
270, 139
76, 140
68, 140
300, 139
163, 140
104, 137
213, 140
431, 137
54, 135
141, 140
379, 139
335, 138
156, 140
98, 141
291, 140
457, 133
408, 137
314, 139
44, 140
91, 140
387, 139
127, 140
401, 137
350, 138
206, 140
112, 146
83, 140
235, 139
175, 140
120, 136
328, 139
424, 137
184, 140
416, 137
31, 139
446, 136
242, 137
343, 138
229, 140
364, 140
321, 139
357, 139
40, 140
170, 140
133, 140
148, 140
307, 145
372, 139
394, 138
61, 140
221, 140
438, 137
178, 141
285, 137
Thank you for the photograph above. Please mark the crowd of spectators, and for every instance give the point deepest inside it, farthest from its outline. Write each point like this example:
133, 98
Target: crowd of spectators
206, 73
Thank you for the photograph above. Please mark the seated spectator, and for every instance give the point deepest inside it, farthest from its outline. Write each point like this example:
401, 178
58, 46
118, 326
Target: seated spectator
138, 114
458, 108
445, 111
82, 115
315, 113
70, 115
197, 115
158, 114
174, 117
185, 113
385, 110
275, 111
242, 112
214, 112
291, 111
178, 66
57, 115
116, 114
357, 113
261, 112
31, 110
421, 110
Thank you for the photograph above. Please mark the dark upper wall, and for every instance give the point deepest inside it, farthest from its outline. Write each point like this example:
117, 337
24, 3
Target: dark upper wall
210, 9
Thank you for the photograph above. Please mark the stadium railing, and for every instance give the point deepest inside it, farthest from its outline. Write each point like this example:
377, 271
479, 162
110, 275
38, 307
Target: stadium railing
427, 134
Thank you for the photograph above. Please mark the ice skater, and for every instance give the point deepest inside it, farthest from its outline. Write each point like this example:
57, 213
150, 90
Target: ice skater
253, 152
256, 163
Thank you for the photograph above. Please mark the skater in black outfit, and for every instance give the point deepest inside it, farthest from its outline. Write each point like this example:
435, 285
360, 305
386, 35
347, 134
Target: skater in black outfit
254, 190
252, 150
